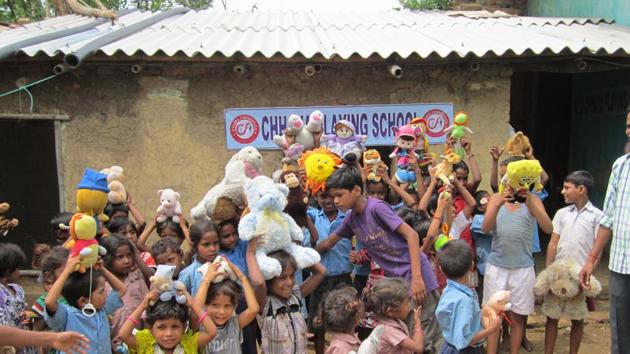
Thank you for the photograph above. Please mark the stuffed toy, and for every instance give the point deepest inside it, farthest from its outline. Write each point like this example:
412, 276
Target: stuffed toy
371, 344
224, 270
518, 145
559, 286
345, 142
522, 176
297, 200
226, 199
422, 143
6, 225
496, 306
458, 130
303, 134
291, 157
162, 281
169, 206
444, 170
405, 143
371, 160
276, 229
115, 178
82, 241
318, 164
92, 193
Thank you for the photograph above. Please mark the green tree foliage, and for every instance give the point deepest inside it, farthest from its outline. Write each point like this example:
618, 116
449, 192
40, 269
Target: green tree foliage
13, 10
425, 4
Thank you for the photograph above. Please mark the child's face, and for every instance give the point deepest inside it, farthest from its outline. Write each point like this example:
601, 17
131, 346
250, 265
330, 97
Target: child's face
403, 311
122, 262
376, 190
61, 236
129, 232
345, 199
462, 176
169, 231
571, 193
167, 333
326, 202
49, 278
220, 309
98, 295
228, 236
282, 285
172, 258
208, 247
120, 214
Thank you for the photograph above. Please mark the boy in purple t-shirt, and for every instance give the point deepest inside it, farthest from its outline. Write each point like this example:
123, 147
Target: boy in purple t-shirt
389, 241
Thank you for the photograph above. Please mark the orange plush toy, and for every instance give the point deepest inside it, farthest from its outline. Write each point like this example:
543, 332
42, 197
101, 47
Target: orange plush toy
83, 242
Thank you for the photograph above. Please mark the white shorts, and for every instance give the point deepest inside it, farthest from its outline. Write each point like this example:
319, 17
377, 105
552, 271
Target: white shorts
520, 281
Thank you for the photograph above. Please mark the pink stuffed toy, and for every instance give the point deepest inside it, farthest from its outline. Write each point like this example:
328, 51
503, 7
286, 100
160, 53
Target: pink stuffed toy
405, 145
169, 205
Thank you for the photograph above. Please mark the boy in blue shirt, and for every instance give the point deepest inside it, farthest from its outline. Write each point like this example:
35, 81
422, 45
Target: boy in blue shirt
81, 289
458, 312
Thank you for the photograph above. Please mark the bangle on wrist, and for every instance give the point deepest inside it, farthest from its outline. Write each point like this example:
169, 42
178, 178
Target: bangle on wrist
133, 320
203, 316
594, 258
438, 218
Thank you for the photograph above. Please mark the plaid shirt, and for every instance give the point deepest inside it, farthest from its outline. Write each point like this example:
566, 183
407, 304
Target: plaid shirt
616, 215
282, 326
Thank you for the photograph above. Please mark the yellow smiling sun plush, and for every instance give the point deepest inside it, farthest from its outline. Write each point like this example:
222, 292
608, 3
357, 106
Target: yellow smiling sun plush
319, 164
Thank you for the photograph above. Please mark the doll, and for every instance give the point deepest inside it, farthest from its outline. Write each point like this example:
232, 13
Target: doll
345, 142
405, 144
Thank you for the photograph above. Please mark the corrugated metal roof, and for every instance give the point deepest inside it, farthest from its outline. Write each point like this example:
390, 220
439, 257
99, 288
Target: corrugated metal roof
333, 34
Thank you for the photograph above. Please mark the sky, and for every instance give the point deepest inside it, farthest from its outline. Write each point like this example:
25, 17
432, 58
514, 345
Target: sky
305, 4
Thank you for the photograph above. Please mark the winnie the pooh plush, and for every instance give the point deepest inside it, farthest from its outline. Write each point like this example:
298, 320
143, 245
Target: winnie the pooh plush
92, 194
169, 206
276, 229
115, 178
83, 242
6, 225
559, 286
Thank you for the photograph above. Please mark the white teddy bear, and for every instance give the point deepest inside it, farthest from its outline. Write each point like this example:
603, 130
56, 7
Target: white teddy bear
115, 178
276, 229
223, 200
225, 272
559, 285
303, 134
169, 205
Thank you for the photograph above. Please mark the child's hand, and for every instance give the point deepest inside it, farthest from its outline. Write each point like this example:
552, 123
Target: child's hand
382, 172
496, 152
417, 315
189, 299
152, 295
237, 271
129, 199
495, 326
353, 256
252, 245
432, 174
212, 272
72, 263
466, 145
71, 342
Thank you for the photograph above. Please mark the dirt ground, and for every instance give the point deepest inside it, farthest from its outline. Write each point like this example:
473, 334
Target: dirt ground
596, 332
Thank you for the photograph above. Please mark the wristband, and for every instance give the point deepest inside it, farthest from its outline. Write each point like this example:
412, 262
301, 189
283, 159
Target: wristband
203, 315
438, 218
133, 320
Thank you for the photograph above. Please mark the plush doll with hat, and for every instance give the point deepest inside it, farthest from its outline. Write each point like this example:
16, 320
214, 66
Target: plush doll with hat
422, 142
276, 230
405, 144
169, 206
6, 225
92, 193
162, 281
345, 142
304, 134
115, 178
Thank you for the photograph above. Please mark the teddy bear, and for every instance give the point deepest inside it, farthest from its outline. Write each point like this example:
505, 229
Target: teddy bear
6, 225
458, 130
518, 145
297, 200
496, 306
559, 286
92, 193
169, 206
371, 161
162, 281
224, 270
276, 230
225, 200
115, 178
303, 133
345, 142
82, 241
405, 144
444, 170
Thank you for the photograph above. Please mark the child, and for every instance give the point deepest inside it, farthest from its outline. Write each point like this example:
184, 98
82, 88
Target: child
59, 226
574, 230
205, 245
510, 264
231, 245
341, 310
458, 312
391, 243
81, 289
167, 251
166, 228
39, 251
126, 228
281, 323
220, 301
123, 261
388, 299
483, 242
51, 267
167, 332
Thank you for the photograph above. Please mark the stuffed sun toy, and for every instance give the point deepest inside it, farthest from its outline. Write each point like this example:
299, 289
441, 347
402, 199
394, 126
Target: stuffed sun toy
521, 176
83, 242
405, 144
226, 199
115, 178
345, 142
162, 281
371, 160
444, 170
518, 145
559, 286
92, 193
277, 229
318, 164
458, 130
224, 270
303, 134
169, 206
496, 306
6, 225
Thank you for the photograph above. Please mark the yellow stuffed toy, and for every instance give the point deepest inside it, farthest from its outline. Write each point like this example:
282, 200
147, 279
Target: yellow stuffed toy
522, 175
318, 164
92, 194
83, 242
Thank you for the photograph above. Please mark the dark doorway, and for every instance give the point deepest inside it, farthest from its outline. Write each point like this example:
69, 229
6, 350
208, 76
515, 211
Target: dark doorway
28, 179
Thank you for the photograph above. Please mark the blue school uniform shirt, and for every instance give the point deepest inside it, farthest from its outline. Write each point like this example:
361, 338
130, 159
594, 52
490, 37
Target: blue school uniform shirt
483, 243
237, 256
191, 277
336, 259
536, 241
458, 314
95, 328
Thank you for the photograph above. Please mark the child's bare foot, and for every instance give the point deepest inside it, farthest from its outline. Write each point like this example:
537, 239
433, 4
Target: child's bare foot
526, 344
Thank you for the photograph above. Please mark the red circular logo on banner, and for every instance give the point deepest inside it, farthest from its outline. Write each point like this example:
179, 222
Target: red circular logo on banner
437, 121
244, 129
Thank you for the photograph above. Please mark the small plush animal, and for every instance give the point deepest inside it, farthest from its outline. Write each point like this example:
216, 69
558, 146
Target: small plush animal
496, 306
276, 230
405, 144
458, 130
297, 200
559, 286
6, 225
518, 145
169, 205
162, 281
303, 133
224, 270
291, 156
371, 160
83, 242
444, 170
345, 141
318, 165
115, 178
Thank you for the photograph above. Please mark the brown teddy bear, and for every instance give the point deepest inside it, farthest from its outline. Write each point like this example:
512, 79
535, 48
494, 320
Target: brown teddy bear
6, 225
297, 200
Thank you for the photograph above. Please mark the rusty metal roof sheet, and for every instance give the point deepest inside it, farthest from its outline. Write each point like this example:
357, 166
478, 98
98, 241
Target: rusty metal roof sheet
336, 34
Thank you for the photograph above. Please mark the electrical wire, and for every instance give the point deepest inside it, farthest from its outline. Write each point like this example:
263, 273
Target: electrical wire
24, 88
